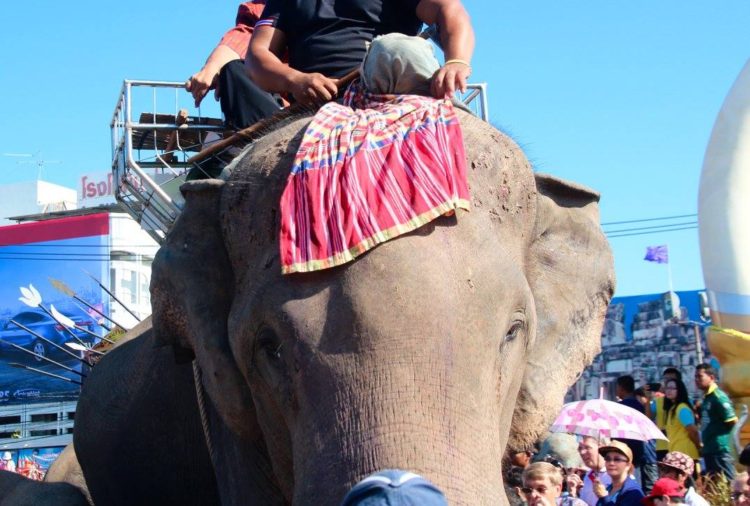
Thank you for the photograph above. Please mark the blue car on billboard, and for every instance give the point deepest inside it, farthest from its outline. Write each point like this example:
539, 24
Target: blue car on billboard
41, 323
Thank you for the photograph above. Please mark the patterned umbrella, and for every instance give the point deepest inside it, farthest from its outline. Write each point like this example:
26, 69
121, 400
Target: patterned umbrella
602, 418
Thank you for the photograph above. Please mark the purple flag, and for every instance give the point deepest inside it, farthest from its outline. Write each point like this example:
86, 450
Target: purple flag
658, 254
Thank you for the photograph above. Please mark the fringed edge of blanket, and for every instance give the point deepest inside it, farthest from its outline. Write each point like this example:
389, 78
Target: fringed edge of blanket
446, 208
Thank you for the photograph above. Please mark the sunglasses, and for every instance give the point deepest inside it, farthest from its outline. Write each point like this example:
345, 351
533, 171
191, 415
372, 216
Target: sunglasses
615, 459
552, 460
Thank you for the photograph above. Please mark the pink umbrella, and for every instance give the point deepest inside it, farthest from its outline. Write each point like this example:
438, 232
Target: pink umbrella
602, 418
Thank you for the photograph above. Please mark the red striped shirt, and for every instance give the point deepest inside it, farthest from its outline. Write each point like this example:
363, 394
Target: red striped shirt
238, 37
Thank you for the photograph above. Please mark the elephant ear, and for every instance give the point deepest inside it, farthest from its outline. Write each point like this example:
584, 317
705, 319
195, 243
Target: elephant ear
571, 275
192, 290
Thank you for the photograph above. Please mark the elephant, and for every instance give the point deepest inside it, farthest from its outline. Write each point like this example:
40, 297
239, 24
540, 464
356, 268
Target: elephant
67, 469
17, 490
429, 353
139, 436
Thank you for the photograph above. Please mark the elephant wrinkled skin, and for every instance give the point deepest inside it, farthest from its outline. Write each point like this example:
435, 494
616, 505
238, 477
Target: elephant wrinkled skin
426, 354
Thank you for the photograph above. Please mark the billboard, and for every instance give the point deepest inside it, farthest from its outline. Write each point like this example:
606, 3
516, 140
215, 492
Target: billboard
32, 463
48, 269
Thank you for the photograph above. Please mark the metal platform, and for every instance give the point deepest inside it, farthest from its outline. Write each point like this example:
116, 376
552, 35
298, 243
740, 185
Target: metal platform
150, 149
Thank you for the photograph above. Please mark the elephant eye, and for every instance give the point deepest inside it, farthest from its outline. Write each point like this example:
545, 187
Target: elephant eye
516, 330
269, 343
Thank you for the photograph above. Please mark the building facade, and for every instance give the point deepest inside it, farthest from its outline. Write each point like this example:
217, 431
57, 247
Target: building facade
93, 266
644, 334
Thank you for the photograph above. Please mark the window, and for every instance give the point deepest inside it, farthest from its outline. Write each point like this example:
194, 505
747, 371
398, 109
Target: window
29, 317
129, 284
71, 415
44, 417
34, 433
145, 291
4, 420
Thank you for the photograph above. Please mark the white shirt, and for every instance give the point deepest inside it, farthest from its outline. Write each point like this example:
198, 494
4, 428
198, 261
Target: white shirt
693, 499
587, 491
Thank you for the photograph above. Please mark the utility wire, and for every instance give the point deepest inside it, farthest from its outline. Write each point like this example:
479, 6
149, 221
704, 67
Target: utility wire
650, 219
652, 232
105, 257
640, 229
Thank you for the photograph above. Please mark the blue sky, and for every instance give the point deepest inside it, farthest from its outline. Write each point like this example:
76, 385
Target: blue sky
619, 96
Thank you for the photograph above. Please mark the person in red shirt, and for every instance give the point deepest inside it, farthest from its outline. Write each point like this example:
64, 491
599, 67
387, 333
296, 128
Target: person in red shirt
242, 101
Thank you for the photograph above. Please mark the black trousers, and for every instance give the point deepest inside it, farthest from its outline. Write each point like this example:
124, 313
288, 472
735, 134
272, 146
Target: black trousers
242, 101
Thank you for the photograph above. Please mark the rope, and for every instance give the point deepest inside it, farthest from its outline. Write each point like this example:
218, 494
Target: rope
197, 375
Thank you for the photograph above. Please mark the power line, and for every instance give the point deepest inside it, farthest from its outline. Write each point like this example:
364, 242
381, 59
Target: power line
653, 227
652, 232
651, 219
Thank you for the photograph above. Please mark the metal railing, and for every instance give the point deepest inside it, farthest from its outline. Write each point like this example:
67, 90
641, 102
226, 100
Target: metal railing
150, 152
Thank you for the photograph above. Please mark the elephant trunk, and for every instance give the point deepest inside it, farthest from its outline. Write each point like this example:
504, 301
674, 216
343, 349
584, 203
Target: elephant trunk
418, 418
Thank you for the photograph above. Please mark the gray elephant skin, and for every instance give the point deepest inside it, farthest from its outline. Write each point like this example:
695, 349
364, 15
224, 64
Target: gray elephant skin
17, 490
426, 354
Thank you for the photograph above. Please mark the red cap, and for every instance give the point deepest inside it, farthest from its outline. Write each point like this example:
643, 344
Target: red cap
662, 487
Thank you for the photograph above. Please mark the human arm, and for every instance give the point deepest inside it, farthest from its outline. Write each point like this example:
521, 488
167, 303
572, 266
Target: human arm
232, 46
687, 418
270, 73
205, 79
649, 409
574, 484
727, 411
457, 40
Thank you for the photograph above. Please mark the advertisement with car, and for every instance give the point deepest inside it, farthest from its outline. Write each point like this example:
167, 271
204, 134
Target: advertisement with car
52, 305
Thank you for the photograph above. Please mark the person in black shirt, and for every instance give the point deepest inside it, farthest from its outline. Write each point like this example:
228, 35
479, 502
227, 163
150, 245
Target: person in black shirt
325, 39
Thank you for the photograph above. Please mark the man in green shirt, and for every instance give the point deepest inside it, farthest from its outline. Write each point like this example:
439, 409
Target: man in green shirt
717, 420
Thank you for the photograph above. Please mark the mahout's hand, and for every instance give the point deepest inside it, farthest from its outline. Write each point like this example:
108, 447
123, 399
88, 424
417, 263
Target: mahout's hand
449, 78
313, 88
200, 83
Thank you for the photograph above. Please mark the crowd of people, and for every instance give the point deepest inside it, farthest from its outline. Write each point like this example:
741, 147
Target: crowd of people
631, 472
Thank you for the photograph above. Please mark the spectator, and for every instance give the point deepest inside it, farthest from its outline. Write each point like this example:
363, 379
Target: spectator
624, 490
717, 420
588, 449
680, 467
394, 487
543, 486
745, 456
655, 409
665, 491
680, 420
514, 462
521, 457
644, 454
740, 490
513, 479
242, 101
7, 462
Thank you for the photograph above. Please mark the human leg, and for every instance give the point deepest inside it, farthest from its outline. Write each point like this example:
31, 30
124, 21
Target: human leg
719, 463
242, 101
649, 474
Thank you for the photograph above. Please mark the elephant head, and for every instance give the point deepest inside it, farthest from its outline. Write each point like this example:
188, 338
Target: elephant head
410, 357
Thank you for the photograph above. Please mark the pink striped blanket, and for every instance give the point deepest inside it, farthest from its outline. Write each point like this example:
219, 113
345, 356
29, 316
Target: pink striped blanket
367, 171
